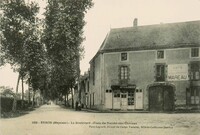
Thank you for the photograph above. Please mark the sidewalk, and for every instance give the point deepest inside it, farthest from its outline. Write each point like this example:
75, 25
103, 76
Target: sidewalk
138, 111
113, 111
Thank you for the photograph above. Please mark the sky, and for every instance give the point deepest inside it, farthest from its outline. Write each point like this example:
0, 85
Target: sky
108, 14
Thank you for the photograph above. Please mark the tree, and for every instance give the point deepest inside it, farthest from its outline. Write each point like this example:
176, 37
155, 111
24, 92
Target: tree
18, 27
63, 36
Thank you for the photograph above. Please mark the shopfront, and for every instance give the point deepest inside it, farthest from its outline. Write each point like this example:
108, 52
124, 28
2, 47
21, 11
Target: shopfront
124, 98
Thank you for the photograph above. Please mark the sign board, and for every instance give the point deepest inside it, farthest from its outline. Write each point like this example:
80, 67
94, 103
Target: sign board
177, 72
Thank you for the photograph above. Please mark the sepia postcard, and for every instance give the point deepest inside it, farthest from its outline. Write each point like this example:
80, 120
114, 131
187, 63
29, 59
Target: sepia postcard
100, 67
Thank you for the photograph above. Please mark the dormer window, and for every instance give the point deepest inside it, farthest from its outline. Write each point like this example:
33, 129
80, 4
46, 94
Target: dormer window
160, 54
194, 52
124, 57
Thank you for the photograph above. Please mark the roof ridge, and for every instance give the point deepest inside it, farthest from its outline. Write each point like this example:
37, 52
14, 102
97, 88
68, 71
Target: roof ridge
161, 24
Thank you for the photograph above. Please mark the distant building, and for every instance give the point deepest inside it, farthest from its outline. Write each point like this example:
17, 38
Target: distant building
153, 67
82, 94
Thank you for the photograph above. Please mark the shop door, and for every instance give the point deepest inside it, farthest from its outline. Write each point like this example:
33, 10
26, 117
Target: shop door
116, 99
124, 101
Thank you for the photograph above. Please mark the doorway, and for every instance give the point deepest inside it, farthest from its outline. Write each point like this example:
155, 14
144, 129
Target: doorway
124, 100
161, 98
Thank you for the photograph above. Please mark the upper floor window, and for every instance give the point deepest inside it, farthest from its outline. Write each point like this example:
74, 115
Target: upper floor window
124, 72
194, 52
124, 57
160, 54
160, 72
195, 71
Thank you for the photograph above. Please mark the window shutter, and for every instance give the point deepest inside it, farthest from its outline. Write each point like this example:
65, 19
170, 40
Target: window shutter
166, 71
128, 74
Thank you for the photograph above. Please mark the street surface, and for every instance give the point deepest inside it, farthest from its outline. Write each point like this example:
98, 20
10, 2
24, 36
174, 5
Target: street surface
55, 120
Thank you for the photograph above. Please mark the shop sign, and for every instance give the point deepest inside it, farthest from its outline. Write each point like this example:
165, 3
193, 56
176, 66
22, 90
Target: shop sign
177, 72
128, 87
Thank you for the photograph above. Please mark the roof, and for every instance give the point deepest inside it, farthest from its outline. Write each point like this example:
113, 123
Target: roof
149, 37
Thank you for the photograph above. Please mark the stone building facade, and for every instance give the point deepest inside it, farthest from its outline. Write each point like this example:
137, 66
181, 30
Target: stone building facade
153, 67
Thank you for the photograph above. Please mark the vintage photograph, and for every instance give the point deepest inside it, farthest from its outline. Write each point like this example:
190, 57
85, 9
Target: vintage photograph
99, 67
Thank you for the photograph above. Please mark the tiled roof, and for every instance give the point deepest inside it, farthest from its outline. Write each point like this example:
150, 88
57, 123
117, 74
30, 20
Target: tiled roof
160, 36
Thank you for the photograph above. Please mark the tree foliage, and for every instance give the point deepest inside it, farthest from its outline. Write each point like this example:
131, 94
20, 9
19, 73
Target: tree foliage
63, 36
20, 42
53, 64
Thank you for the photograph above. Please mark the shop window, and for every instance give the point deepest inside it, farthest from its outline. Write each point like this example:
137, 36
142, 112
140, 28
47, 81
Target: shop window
195, 71
194, 52
160, 54
131, 98
195, 96
116, 94
124, 57
123, 95
160, 72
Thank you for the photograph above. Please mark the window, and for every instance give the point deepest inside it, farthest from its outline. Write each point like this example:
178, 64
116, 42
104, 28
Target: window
124, 57
123, 95
160, 54
195, 95
116, 94
124, 72
108, 91
160, 72
195, 71
195, 52
131, 97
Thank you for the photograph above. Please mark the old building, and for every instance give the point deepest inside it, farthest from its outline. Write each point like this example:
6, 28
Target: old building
84, 88
153, 67
81, 93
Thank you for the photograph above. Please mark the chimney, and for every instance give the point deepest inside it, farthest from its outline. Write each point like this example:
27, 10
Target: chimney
135, 22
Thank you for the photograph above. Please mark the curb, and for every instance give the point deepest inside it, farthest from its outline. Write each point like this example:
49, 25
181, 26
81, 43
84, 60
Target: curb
113, 111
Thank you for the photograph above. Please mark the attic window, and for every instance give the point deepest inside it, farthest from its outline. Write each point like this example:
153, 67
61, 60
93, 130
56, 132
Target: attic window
160, 54
124, 57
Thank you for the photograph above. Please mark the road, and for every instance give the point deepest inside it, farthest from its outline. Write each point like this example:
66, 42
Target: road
55, 120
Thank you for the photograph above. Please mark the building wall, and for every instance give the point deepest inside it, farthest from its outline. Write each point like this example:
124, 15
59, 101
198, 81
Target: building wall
95, 93
141, 66
142, 70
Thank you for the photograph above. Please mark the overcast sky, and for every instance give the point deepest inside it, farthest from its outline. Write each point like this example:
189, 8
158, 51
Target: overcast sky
108, 14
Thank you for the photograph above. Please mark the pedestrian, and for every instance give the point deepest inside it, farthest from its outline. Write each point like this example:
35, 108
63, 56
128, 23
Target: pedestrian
76, 106
79, 105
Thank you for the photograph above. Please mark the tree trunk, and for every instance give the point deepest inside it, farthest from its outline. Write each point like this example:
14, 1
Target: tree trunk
29, 92
72, 97
33, 102
22, 91
65, 100
17, 83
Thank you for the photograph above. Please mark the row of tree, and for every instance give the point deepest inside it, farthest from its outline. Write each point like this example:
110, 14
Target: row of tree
46, 53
